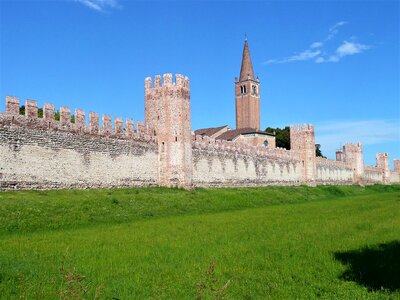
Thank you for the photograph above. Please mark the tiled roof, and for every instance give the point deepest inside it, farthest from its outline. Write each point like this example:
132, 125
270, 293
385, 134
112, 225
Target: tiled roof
232, 134
209, 131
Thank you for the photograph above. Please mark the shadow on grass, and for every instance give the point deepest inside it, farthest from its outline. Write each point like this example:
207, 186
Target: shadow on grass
376, 267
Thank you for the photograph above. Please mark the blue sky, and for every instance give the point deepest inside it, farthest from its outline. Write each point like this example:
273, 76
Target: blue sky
331, 63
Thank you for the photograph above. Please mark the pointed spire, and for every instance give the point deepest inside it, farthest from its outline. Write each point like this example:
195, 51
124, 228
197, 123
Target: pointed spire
246, 71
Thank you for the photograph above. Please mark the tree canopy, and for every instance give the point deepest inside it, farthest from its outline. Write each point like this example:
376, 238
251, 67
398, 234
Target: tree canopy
282, 139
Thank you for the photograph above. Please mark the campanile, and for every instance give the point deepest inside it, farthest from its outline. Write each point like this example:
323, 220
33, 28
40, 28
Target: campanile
247, 94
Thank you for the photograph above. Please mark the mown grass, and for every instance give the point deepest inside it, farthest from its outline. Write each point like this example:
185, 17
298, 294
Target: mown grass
275, 242
24, 211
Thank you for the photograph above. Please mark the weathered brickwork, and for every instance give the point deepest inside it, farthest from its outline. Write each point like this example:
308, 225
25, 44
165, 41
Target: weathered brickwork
223, 163
382, 162
329, 171
167, 107
42, 153
247, 94
302, 142
372, 175
353, 156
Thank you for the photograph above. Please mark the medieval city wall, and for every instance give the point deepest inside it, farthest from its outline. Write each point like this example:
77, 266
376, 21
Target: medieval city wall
221, 163
372, 175
45, 153
42, 153
394, 177
333, 172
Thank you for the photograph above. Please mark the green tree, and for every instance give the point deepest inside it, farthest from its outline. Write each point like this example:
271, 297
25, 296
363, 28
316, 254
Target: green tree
282, 136
318, 151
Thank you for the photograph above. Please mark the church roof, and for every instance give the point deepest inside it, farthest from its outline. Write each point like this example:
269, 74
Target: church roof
230, 135
209, 131
246, 71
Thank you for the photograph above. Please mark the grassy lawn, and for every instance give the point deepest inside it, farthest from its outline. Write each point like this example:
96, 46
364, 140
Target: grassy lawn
155, 243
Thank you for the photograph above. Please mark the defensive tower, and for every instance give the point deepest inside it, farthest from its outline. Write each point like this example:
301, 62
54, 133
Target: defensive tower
302, 142
353, 156
397, 165
382, 162
247, 94
167, 116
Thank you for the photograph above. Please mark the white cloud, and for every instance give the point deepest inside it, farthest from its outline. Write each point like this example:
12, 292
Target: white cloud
100, 5
334, 30
348, 48
318, 54
335, 27
316, 45
333, 134
345, 49
305, 55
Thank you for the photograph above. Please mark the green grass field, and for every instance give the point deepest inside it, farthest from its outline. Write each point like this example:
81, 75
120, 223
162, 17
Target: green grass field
243, 243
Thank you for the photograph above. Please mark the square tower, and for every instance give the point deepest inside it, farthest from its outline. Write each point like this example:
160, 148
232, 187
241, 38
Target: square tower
167, 116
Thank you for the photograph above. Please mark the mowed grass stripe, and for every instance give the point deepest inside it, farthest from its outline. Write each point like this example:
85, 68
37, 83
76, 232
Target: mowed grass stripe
281, 251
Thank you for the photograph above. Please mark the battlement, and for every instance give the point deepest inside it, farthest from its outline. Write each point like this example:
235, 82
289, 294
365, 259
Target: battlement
321, 161
167, 81
77, 125
211, 144
352, 147
372, 169
301, 129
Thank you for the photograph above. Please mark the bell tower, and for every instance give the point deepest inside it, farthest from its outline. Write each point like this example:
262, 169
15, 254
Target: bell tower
247, 94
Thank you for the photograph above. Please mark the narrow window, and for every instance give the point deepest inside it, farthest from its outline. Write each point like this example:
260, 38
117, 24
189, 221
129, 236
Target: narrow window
176, 139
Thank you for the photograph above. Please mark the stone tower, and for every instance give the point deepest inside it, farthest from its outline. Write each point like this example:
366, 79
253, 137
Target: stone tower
353, 156
167, 116
382, 162
397, 165
302, 142
247, 94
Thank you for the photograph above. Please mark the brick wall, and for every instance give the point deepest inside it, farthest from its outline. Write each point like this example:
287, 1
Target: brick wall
42, 153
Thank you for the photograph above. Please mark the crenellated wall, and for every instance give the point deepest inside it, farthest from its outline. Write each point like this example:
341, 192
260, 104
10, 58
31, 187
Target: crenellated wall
394, 177
372, 175
331, 171
42, 153
223, 163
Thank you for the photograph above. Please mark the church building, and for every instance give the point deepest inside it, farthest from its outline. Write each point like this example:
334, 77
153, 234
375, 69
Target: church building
247, 101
